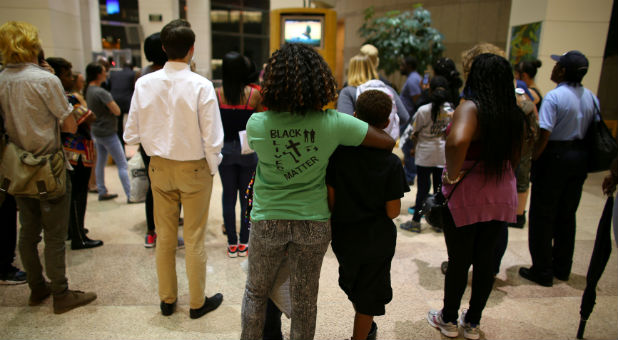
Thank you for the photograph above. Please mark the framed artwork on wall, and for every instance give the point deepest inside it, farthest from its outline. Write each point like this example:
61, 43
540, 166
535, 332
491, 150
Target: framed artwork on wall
524, 42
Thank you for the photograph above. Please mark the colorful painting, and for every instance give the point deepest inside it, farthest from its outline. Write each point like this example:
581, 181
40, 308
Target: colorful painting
525, 42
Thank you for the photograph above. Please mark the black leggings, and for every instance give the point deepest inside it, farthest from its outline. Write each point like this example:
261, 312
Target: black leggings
149, 201
474, 245
80, 176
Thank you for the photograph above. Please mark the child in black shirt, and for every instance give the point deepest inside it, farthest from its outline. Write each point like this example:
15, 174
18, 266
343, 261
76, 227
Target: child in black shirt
364, 190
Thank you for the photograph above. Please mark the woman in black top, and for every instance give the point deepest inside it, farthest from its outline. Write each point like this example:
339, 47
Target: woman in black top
237, 102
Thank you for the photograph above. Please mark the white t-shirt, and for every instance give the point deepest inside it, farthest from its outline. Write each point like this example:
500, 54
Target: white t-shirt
431, 136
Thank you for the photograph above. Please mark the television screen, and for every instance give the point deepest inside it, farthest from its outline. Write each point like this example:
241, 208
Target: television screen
307, 30
113, 6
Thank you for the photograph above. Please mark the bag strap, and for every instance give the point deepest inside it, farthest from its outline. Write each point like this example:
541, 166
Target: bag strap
462, 178
596, 107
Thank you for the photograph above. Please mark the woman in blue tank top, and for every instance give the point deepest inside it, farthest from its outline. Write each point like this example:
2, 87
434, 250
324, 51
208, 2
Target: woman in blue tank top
237, 102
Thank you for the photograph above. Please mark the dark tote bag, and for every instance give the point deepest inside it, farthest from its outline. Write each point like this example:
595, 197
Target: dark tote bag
435, 207
601, 145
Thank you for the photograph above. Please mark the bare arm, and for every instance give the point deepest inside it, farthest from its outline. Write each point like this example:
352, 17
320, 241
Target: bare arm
540, 145
256, 101
331, 197
393, 208
378, 139
463, 130
114, 108
69, 124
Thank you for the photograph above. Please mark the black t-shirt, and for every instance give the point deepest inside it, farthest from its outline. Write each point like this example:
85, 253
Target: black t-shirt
364, 179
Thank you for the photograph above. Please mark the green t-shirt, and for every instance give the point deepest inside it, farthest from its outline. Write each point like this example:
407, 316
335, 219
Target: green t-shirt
293, 152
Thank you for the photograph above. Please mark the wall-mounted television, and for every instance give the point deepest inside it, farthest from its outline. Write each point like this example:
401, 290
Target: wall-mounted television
303, 28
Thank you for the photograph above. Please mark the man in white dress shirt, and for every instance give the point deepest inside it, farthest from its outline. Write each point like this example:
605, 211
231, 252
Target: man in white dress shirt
175, 116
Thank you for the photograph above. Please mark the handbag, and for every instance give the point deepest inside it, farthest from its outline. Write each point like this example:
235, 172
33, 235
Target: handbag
435, 207
22, 174
601, 145
138, 177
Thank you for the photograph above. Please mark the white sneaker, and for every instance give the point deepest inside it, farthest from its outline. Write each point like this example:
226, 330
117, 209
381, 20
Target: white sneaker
471, 331
434, 317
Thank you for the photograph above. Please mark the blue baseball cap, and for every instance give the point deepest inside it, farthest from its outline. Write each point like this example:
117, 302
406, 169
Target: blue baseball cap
573, 61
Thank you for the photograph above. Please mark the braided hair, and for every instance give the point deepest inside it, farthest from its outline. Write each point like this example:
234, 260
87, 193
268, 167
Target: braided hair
297, 80
438, 96
490, 87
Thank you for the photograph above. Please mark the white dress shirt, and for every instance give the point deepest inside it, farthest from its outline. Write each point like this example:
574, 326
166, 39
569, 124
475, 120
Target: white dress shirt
175, 115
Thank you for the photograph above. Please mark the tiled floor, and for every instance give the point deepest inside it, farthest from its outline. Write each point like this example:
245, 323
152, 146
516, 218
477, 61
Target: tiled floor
122, 273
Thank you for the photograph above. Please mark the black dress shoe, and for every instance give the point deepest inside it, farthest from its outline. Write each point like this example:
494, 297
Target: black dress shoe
85, 243
561, 277
168, 309
528, 274
210, 304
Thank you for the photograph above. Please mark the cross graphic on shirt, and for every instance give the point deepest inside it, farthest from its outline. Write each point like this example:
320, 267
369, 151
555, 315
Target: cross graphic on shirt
293, 145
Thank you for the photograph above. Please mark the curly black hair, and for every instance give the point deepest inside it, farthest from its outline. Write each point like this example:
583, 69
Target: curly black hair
374, 107
297, 80
501, 121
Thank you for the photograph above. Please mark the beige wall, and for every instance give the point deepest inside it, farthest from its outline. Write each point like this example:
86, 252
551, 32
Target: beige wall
198, 14
59, 23
463, 23
567, 25
168, 9
278, 4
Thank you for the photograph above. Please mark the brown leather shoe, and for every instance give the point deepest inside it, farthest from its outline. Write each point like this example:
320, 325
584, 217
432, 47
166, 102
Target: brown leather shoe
38, 296
70, 299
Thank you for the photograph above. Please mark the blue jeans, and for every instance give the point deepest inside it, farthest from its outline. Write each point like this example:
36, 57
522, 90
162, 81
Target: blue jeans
112, 145
408, 163
235, 179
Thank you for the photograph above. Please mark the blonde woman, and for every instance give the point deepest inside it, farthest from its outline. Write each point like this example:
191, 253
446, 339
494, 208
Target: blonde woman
360, 71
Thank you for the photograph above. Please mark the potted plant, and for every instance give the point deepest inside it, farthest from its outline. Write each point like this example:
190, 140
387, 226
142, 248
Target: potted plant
398, 34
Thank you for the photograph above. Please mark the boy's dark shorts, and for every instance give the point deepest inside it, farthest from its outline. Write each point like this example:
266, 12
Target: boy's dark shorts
367, 284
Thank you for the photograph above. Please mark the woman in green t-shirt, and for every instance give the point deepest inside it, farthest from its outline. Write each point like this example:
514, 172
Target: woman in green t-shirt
290, 215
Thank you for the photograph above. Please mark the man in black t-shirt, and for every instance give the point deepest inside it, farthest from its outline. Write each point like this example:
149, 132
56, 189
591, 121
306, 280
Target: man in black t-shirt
364, 190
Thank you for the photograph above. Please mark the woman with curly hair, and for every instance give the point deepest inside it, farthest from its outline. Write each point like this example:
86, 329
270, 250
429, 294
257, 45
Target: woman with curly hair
293, 141
483, 144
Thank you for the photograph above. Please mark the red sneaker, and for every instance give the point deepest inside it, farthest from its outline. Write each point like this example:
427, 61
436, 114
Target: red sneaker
243, 249
232, 250
151, 240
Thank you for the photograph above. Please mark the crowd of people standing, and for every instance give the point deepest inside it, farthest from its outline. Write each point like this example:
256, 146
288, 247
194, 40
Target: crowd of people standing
315, 174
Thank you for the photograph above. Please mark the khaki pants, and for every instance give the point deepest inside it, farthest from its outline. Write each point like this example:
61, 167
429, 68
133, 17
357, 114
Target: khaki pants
189, 183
